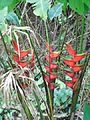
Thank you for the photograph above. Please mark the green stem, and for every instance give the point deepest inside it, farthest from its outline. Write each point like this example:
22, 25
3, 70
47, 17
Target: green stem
25, 106
50, 92
82, 35
76, 94
47, 36
40, 69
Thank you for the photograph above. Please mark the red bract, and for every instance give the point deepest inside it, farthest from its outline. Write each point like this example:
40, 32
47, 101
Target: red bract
54, 55
79, 57
72, 64
76, 68
50, 67
68, 62
23, 64
21, 54
15, 45
74, 79
70, 50
51, 86
23, 86
70, 74
69, 84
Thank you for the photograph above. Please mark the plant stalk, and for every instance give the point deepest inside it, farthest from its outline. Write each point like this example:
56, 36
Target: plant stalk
82, 35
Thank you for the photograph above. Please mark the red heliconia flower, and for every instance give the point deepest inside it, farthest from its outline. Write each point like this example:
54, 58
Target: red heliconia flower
69, 84
69, 62
70, 50
23, 85
23, 64
70, 74
50, 67
79, 57
15, 45
50, 78
51, 86
76, 68
54, 55
74, 79
72, 64
20, 63
22, 54
16, 58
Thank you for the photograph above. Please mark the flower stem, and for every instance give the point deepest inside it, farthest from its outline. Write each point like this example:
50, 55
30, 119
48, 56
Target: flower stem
50, 92
82, 35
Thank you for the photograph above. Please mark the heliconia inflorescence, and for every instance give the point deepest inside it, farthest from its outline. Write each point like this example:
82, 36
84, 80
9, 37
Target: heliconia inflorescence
50, 77
20, 54
75, 68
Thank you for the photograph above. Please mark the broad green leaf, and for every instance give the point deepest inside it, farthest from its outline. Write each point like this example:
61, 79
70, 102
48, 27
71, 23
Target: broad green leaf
13, 4
64, 98
64, 3
55, 11
5, 3
13, 18
86, 111
9, 3
78, 6
40, 8
3, 14
87, 2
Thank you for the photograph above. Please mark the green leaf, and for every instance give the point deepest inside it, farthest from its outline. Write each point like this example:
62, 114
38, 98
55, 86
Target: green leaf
13, 18
64, 98
5, 3
87, 2
3, 14
86, 111
7, 39
9, 3
55, 11
64, 3
78, 6
40, 8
